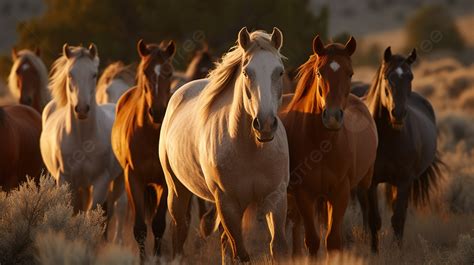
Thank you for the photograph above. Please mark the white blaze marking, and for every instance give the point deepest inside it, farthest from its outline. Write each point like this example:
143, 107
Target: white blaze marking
157, 69
25, 67
399, 71
334, 66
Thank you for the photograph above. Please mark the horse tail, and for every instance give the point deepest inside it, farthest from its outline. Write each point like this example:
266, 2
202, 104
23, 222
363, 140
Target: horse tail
421, 188
209, 222
390, 194
153, 200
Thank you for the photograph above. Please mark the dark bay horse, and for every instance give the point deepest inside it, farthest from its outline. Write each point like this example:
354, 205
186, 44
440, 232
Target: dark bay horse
332, 140
20, 129
406, 155
135, 137
28, 79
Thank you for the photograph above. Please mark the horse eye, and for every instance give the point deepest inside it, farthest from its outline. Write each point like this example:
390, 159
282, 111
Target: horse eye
281, 73
244, 72
94, 75
352, 74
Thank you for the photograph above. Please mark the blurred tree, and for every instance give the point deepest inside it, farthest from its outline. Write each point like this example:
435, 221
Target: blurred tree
432, 27
116, 25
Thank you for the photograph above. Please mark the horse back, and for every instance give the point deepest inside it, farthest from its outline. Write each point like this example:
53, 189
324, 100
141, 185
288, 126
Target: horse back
359, 89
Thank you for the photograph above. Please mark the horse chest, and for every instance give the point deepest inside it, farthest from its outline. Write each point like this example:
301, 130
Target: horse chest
88, 159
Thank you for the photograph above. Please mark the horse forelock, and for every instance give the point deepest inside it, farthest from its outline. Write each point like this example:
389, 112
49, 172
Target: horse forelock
376, 90
60, 72
225, 71
38, 64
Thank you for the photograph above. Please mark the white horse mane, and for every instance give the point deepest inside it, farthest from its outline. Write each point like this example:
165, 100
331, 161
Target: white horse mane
225, 71
60, 71
39, 66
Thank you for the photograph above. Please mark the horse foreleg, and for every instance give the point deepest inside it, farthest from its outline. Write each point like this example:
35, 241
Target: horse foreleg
375, 222
295, 217
276, 205
231, 214
159, 220
337, 206
400, 211
306, 207
136, 192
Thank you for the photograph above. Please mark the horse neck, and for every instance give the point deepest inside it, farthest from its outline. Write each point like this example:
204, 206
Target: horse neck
37, 102
239, 121
142, 117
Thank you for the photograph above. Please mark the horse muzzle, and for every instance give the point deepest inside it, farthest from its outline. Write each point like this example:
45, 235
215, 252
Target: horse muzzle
333, 119
265, 128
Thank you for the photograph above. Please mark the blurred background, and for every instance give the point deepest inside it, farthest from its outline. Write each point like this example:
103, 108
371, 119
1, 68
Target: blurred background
442, 31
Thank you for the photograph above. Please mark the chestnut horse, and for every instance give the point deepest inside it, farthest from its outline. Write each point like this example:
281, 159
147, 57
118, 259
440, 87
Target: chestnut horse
20, 129
223, 141
406, 155
28, 79
332, 140
135, 137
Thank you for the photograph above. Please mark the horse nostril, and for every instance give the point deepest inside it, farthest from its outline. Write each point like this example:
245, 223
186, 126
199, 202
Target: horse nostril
256, 124
340, 115
275, 123
76, 108
325, 114
87, 108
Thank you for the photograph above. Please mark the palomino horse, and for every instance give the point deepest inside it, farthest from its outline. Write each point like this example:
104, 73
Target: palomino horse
406, 155
28, 79
332, 140
198, 68
75, 142
223, 141
114, 81
20, 129
135, 137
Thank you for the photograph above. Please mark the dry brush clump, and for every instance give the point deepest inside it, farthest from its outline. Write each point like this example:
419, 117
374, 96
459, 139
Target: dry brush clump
37, 226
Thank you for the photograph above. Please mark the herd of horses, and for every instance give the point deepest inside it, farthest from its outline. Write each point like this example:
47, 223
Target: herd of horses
227, 133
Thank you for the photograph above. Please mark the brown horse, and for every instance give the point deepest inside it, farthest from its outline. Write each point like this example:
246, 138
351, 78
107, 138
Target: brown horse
135, 137
28, 79
20, 129
198, 68
332, 140
406, 155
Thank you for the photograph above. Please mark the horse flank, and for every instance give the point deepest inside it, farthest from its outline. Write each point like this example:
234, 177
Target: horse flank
59, 74
226, 70
39, 66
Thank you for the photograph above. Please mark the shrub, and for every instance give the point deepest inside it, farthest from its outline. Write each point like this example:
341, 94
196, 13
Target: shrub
433, 27
32, 210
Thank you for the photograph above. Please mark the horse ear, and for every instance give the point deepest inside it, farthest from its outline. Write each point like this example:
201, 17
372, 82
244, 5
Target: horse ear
171, 49
37, 51
387, 55
14, 54
67, 51
205, 47
142, 49
277, 38
351, 46
244, 38
93, 50
412, 57
318, 46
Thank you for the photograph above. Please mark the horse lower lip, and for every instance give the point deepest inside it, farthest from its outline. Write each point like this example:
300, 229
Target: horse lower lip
264, 140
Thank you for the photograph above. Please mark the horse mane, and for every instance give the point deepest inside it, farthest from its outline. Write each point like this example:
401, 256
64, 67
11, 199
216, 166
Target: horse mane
40, 68
225, 71
116, 70
306, 78
60, 71
374, 103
